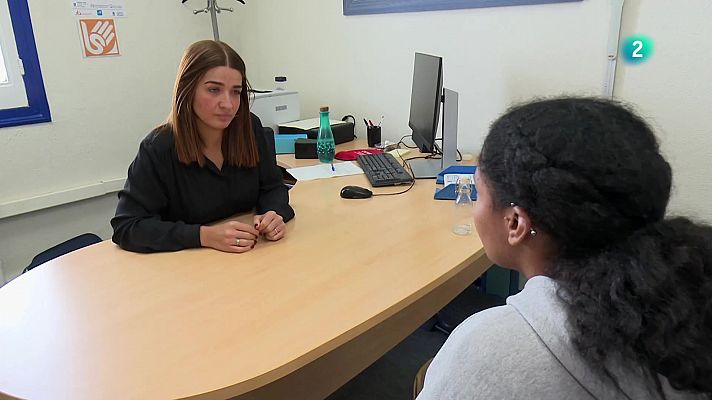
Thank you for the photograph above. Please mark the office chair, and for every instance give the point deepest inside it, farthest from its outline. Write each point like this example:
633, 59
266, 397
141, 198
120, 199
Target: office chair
63, 248
419, 380
461, 307
289, 180
269, 135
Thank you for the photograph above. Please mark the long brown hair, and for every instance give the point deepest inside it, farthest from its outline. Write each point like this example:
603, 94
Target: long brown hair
238, 144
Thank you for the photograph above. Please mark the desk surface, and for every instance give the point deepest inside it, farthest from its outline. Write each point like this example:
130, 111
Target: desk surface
295, 318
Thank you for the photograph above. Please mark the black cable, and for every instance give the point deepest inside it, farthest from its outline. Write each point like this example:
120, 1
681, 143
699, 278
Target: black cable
393, 194
405, 162
407, 166
438, 152
411, 168
434, 156
403, 143
345, 118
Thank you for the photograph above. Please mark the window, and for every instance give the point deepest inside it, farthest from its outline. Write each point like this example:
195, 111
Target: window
3, 69
22, 94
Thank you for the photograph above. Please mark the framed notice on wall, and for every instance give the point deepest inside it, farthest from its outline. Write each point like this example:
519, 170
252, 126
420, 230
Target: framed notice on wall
357, 7
99, 8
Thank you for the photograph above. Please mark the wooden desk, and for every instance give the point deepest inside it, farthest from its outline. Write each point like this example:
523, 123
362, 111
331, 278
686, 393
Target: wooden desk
294, 319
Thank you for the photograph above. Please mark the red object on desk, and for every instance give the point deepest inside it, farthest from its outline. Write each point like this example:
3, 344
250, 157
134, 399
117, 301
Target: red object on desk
350, 155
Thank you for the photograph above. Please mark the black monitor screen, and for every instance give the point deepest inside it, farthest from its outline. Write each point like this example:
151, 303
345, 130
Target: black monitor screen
425, 100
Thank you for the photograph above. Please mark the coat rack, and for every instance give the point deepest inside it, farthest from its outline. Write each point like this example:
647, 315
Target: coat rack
213, 8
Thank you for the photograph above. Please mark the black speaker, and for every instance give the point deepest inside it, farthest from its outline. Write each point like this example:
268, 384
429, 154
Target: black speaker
305, 148
342, 132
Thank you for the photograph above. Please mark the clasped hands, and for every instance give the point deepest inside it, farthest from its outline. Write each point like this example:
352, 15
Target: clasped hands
239, 237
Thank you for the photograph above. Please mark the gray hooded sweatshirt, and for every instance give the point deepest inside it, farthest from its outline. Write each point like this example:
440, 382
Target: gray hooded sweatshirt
522, 351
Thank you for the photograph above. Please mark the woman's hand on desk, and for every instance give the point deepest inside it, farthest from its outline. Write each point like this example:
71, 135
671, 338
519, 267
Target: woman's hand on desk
231, 236
271, 225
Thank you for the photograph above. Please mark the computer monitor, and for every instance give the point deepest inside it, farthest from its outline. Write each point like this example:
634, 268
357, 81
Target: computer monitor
425, 98
426, 95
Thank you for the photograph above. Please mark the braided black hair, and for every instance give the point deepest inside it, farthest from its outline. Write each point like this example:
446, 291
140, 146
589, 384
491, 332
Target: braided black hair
637, 285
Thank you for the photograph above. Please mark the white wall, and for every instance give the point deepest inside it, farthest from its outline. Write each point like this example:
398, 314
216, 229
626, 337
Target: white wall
363, 64
101, 108
674, 90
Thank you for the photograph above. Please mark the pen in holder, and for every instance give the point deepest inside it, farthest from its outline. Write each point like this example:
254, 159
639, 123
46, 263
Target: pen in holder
373, 133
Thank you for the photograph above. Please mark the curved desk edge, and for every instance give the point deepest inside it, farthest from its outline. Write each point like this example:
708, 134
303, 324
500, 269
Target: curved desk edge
348, 355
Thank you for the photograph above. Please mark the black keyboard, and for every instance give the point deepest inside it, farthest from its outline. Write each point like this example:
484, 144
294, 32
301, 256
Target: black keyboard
382, 169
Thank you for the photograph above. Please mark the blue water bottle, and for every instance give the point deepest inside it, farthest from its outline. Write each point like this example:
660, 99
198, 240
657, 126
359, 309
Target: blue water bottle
325, 141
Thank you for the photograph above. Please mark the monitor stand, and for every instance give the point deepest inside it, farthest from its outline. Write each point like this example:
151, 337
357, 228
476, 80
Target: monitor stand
425, 168
430, 168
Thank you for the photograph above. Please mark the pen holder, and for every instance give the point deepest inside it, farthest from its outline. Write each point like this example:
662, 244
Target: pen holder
373, 133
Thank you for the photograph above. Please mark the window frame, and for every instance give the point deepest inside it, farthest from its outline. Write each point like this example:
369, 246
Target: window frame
37, 110
360, 7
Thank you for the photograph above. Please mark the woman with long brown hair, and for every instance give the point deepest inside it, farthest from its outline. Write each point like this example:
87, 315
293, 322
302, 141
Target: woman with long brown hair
207, 162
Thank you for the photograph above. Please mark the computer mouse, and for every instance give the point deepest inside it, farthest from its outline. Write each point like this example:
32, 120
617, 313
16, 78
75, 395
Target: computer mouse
355, 192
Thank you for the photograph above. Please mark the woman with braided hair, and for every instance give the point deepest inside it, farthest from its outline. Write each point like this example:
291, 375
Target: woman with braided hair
572, 192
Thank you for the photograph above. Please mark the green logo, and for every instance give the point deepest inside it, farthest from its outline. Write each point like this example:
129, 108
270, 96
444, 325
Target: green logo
637, 49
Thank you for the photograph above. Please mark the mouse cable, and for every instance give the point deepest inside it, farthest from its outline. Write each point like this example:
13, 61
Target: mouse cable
393, 194
404, 162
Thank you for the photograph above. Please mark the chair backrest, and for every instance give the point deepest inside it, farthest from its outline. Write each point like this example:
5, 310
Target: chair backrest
63, 248
269, 135
289, 180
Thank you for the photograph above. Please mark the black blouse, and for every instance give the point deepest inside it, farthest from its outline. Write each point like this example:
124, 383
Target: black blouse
164, 202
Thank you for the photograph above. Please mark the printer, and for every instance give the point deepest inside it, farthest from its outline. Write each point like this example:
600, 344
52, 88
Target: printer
275, 107
280, 111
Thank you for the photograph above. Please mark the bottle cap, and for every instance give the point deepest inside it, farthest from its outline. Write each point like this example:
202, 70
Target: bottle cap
324, 109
